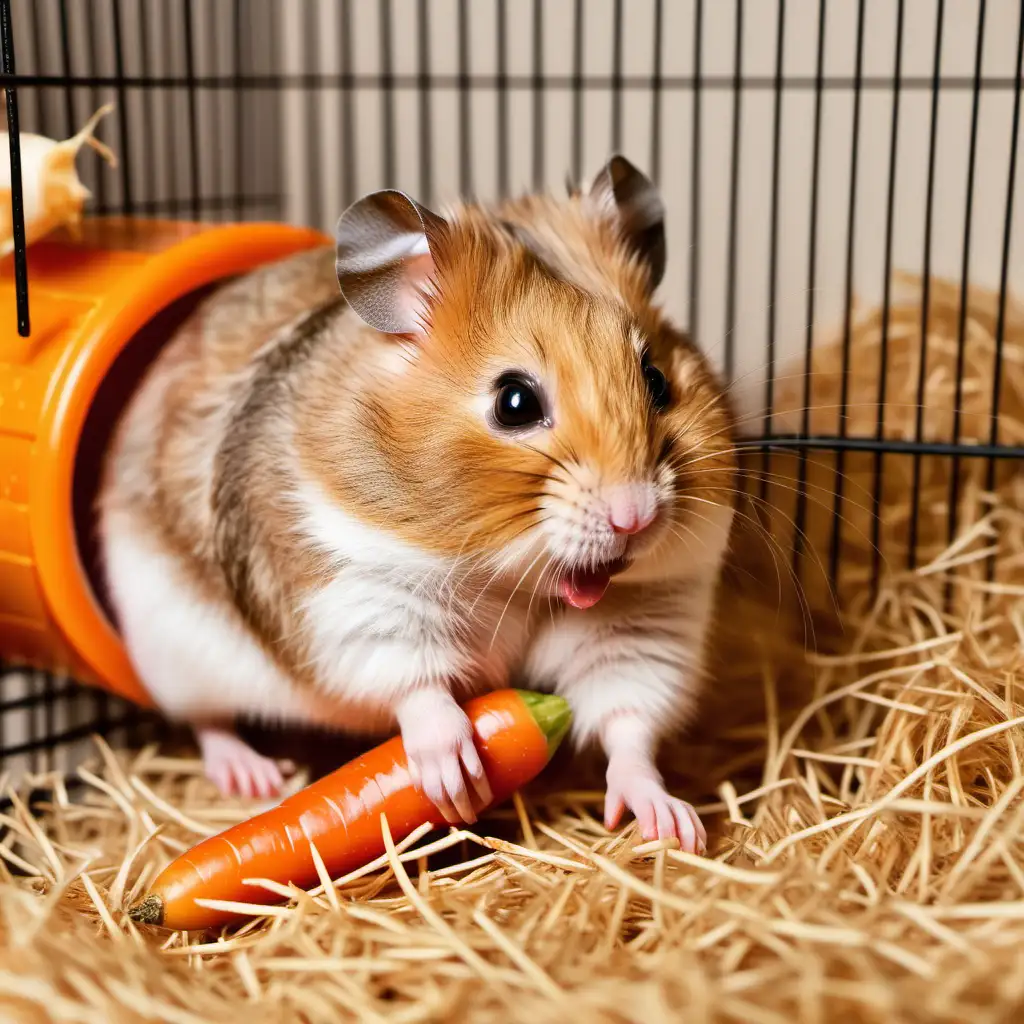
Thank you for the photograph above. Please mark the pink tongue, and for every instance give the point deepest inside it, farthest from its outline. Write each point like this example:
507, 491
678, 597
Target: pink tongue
584, 589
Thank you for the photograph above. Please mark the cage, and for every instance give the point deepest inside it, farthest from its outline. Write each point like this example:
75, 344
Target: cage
807, 152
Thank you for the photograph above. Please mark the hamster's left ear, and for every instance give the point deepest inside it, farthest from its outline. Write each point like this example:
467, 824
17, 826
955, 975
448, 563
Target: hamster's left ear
624, 194
385, 262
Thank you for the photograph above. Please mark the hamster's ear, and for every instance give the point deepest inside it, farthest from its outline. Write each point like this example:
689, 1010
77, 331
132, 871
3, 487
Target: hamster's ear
625, 195
384, 261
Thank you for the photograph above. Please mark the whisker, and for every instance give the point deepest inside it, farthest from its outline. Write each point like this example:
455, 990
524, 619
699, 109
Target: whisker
824, 407
774, 546
519, 472
771, 508
785, 485
777, 477
537, 586
511, 595
551, 458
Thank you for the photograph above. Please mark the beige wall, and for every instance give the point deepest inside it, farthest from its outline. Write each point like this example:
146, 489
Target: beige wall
292, 138
756, 136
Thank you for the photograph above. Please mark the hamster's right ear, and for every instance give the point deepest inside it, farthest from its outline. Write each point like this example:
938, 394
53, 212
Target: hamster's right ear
384, 260
625, 195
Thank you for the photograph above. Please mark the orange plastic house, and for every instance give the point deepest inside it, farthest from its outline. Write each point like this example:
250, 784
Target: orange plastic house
100, 306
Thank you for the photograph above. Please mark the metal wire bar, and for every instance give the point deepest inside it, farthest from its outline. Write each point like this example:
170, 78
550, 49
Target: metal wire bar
124, 135
311, 58
522, 82
734, 196
693, 309
465, 111
426, 176
656, 91
889, 445
501, 84
926, 259
617, 42
851, 235
1004, 271
195, 187
773, 245
965, 270
538, 94
387, 85
348, 115
800, 513
577, 92
17, 187
239, 107
883, 359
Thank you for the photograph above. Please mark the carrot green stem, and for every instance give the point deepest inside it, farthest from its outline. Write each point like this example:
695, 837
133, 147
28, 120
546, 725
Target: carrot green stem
551, 713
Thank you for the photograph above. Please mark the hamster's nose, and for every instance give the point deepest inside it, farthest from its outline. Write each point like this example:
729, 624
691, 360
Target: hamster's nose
631, 507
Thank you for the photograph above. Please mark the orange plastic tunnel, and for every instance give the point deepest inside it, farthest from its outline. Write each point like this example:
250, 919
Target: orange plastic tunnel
100, 307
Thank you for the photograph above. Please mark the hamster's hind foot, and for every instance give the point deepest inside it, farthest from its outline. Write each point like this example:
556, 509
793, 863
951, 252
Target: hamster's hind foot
235, 768
659, 814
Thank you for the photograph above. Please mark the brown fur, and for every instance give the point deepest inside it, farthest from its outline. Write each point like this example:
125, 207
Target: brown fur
273, 379
168, 460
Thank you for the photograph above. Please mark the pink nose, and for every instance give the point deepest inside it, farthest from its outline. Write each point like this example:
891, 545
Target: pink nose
631, 507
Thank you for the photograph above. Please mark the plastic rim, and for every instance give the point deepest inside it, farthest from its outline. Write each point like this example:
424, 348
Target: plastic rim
199, 260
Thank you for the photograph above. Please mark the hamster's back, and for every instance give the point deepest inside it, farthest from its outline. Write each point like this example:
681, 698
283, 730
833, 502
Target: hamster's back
160, 468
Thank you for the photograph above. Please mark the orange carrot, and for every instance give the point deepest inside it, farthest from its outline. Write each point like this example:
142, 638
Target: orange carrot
515, 731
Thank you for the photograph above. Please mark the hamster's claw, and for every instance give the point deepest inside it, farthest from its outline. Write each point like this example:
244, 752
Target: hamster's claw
445, 764
235, 768
443, 779
659, 814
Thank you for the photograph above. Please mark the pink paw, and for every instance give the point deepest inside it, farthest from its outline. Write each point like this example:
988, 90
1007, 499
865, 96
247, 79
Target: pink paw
443, 760
659, 815
235, 768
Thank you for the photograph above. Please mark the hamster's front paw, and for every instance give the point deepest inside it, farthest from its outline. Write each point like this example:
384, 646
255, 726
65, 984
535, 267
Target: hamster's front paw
438, 741
659, 814
235, 768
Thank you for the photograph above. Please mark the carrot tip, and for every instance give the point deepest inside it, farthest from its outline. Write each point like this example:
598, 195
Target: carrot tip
148, 911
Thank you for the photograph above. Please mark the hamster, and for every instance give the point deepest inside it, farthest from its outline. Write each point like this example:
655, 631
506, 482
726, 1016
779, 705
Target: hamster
454, 452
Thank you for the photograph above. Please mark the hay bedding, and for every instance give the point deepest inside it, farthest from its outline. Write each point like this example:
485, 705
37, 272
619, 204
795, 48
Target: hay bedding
868, 833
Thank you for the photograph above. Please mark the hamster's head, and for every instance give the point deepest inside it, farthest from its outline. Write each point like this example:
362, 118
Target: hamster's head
541, 420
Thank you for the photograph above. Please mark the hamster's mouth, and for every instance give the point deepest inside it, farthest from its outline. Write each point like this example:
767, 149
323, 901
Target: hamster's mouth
583, 588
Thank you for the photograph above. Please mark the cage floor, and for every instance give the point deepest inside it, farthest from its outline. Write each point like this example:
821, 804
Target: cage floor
864, 801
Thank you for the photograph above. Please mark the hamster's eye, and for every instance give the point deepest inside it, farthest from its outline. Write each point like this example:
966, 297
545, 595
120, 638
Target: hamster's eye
657, 385
518, 402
